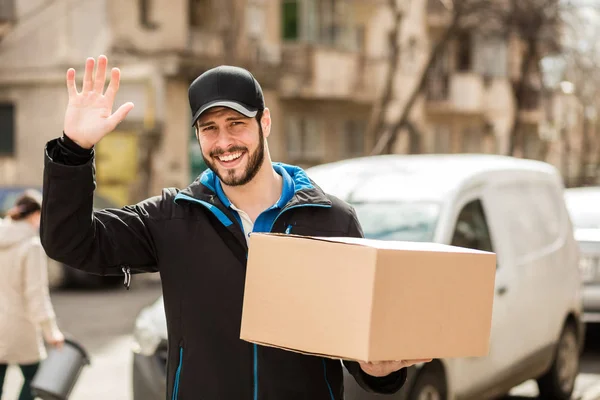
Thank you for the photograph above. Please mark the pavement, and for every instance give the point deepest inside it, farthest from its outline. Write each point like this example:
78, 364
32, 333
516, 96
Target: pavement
102, 320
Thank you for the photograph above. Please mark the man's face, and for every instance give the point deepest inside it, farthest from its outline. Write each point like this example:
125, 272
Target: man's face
232, 145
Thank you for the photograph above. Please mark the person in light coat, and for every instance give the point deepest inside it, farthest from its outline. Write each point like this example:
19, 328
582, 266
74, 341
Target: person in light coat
26, 314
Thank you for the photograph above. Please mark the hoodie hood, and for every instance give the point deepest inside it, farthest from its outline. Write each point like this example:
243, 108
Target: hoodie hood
14, 232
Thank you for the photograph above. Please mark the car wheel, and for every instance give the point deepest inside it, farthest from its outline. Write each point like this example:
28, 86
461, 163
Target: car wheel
429, 385
558, 383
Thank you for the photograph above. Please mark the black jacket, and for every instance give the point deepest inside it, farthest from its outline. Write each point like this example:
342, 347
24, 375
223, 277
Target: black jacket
200, 252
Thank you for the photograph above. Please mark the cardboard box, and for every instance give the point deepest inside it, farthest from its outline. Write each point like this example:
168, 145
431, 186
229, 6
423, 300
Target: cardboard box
367, 300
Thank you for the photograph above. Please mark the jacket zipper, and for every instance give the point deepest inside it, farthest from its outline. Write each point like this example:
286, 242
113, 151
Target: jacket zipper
178, 375
287, 231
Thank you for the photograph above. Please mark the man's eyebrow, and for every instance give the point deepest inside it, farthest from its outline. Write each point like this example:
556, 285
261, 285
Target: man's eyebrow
236, 118
200, 125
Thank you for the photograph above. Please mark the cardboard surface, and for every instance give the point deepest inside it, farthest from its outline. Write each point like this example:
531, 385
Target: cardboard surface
368, 300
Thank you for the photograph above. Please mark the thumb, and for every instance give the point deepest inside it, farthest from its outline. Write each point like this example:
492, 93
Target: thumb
119, 115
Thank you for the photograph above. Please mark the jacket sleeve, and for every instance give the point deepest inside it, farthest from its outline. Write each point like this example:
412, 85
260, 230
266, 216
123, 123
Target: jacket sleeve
389, 384
98, 242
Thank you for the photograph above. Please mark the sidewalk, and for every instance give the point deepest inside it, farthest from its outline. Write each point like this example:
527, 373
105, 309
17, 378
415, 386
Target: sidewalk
592, 393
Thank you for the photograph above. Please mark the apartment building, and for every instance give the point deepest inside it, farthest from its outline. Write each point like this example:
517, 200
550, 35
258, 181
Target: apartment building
468, 103
321, 64
160, 46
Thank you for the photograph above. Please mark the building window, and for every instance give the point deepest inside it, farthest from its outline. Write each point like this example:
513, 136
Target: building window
471, 140
442, 139
353, 139
290, 19
146, 12
491, 56
325, 22
7, 129
304, 139
199, 12
464, 52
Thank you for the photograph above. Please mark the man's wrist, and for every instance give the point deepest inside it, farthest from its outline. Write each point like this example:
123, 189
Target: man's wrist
74, 147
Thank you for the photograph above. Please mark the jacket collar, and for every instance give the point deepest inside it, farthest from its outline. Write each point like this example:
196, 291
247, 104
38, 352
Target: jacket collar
305, 191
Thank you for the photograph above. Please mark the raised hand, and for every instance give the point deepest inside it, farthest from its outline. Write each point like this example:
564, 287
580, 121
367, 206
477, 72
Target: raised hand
89, 114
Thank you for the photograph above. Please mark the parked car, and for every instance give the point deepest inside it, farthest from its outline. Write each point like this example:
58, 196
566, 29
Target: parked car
512, 207
584, 207
60, 275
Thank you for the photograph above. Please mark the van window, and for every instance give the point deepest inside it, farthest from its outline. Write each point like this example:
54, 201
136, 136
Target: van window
471, 230
404, 221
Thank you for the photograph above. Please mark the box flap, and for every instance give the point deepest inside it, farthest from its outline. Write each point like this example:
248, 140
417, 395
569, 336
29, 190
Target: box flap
385, 244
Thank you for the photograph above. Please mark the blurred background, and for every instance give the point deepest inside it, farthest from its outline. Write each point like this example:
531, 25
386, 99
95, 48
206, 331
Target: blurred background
343, 79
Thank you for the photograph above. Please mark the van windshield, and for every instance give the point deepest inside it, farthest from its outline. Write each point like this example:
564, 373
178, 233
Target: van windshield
410, 221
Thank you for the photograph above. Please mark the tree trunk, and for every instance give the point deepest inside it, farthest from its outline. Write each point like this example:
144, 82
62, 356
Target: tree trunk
519, 93
387, 140
414, 139
566, 157
378, 112
584, 157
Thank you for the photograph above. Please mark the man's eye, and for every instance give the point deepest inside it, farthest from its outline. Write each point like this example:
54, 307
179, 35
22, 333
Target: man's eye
208, 128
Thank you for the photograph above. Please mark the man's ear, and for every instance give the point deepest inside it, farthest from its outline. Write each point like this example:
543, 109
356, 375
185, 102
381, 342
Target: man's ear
265, 122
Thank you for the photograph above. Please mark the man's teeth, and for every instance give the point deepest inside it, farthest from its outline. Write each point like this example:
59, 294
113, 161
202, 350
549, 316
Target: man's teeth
230, 157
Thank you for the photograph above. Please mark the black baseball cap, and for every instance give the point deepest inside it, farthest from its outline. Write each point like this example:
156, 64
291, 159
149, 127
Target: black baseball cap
226, 86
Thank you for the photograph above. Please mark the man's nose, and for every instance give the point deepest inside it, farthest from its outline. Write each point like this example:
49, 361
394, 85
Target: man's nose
225, 139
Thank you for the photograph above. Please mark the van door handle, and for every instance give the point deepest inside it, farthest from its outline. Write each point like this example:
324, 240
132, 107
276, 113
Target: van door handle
501, 290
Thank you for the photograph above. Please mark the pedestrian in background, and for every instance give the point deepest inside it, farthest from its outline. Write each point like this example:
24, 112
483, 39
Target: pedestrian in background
26, 313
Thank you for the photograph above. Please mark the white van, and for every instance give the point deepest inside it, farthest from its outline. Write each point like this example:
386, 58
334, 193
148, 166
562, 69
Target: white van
513, 207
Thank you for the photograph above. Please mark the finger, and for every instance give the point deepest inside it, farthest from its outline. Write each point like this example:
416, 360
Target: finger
71, 86
113, 86
119, 115
88, 82
100, 79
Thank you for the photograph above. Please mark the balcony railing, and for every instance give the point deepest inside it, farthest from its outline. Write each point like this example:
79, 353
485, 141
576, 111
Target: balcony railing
325, 72
458, 92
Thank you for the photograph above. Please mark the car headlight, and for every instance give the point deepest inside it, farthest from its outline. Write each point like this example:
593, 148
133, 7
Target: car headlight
145, 334
588, 267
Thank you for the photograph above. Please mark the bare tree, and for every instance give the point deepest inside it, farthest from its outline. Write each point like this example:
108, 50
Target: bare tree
538, 24
379, 110
583, 71
466, 15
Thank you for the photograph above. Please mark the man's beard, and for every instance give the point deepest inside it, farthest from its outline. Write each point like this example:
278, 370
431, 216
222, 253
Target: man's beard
255, 161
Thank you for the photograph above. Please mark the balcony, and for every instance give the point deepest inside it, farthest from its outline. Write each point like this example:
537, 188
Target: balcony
206, 44
7, 16
319, 72
456, 93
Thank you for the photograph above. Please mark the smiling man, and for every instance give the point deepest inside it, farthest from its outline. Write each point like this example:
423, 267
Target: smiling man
197, 237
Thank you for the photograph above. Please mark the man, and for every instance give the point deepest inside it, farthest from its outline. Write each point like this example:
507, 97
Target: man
197, 237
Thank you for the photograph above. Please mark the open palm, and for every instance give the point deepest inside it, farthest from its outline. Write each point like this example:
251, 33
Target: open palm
89, 114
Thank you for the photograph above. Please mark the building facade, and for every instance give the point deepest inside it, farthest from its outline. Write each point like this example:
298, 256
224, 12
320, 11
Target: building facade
321, 65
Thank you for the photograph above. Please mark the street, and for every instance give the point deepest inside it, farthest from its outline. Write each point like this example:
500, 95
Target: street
102, 321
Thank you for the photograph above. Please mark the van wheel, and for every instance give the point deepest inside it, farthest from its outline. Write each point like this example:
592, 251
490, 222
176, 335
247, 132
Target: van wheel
430, 385
558, 383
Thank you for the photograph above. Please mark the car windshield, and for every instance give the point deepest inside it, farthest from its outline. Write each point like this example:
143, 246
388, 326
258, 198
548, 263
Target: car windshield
414, 221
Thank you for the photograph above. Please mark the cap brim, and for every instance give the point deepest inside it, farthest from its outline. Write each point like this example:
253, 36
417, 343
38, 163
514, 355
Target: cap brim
239, 107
